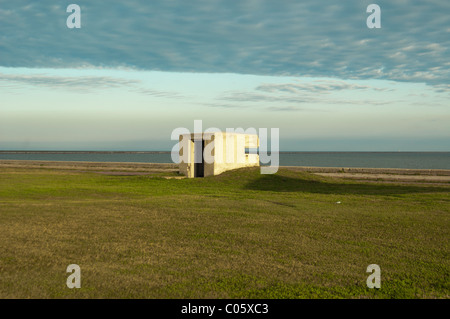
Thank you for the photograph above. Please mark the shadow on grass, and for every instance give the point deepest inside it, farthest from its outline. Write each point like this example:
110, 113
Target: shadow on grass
280, 183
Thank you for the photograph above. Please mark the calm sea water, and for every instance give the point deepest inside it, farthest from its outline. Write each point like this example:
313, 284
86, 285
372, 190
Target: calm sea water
417, 160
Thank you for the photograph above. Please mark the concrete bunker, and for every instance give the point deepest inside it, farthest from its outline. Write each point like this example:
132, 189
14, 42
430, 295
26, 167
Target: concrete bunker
207, 154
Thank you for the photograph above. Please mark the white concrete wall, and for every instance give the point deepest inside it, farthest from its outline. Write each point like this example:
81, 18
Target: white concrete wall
227, 149
230, 151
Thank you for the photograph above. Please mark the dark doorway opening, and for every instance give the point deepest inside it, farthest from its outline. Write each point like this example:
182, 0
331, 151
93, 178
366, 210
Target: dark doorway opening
199, 166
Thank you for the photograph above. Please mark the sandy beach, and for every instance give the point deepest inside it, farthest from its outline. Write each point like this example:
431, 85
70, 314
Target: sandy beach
127, 168
114, 168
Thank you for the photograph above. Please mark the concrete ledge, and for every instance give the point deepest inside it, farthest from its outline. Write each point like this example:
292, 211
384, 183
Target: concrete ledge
97, 166
362, 170
390, 177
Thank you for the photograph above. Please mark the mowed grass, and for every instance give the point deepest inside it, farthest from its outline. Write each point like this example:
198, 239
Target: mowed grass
237, 235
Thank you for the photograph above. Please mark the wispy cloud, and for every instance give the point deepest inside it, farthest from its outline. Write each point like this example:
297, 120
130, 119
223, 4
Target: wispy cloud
226, 106
248, 96
258, 107
291, 95
292, 109
82, 84
307, 99
79, 83
441, 88
319, 86
158, 93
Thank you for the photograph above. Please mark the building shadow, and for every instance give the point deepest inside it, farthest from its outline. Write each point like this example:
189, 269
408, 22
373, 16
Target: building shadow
280, 183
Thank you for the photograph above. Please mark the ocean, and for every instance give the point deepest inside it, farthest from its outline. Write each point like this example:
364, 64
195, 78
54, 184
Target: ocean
412, 160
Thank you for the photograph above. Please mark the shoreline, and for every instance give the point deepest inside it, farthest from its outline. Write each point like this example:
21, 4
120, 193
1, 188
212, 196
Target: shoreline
91, 166
134, 165
136, 168
370, 170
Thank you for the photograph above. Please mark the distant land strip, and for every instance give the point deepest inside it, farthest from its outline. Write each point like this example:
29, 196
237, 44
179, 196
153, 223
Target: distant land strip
168, 152
84, 152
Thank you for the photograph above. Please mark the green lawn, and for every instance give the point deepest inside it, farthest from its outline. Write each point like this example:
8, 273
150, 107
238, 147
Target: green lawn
237, 235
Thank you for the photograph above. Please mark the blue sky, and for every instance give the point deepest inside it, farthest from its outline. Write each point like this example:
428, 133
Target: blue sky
137, 70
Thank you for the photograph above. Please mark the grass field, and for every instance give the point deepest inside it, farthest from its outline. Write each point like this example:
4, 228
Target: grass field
237, 235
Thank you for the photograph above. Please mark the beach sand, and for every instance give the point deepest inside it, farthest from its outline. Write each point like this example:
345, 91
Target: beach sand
111, 168
127, 168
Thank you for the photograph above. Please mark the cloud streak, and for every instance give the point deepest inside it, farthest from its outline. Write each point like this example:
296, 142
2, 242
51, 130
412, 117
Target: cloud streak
66, 82
319, 86
291, 95
82, 84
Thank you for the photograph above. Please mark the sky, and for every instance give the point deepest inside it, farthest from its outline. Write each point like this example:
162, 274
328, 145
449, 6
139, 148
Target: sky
136, 70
